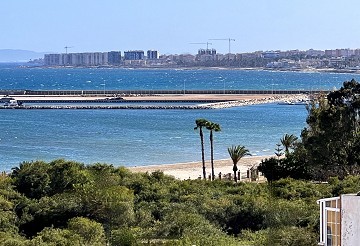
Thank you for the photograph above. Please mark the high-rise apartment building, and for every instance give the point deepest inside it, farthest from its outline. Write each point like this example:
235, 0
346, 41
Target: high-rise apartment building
83, 59
152, 54
114, 57
134, 55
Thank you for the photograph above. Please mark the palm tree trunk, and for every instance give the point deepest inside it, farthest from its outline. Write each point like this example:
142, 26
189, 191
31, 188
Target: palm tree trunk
202, 153
212, 155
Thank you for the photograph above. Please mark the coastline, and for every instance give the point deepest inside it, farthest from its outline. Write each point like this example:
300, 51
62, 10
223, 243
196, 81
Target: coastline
300, 70
193, 170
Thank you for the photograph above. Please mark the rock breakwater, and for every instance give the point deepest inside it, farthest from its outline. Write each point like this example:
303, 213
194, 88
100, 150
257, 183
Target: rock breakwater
248, 102
216, 105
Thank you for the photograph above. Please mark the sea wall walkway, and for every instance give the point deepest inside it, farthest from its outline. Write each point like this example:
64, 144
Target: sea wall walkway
203, 104
154, 92
108, 107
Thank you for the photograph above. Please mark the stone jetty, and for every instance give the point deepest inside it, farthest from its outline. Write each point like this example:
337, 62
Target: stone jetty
108, 107
248, 102
196, 105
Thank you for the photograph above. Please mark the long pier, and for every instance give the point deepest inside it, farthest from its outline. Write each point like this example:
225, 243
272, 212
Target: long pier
109, 107
153, 92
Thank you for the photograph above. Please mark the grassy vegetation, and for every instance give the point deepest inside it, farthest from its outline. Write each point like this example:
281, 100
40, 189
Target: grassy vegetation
67, 203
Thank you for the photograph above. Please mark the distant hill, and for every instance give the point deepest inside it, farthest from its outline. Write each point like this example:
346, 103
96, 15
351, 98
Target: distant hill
12, 55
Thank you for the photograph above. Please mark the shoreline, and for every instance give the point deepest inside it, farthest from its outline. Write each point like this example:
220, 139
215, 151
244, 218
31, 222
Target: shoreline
300, 70
193, 170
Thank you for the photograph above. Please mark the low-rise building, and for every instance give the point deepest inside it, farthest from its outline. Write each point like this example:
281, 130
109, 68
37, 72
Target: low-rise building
271, 54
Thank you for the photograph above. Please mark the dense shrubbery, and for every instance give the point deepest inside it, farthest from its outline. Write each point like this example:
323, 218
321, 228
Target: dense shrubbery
330, 144
68, 203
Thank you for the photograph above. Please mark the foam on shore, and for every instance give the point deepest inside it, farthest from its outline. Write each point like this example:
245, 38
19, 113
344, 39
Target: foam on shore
254, 101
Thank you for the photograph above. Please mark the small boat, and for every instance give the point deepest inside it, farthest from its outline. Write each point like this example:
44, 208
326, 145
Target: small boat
10, 102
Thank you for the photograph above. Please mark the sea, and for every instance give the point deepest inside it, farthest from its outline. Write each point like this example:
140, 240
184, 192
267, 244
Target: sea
146, 137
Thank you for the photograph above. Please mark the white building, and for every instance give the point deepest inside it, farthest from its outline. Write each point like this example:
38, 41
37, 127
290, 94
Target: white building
78, 59
340, 220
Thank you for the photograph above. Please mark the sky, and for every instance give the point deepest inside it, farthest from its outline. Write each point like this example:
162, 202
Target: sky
170, 26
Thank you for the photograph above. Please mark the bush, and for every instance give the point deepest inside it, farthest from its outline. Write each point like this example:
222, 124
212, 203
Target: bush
124, 237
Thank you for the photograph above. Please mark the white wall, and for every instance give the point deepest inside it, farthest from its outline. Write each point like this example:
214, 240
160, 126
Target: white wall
350, 220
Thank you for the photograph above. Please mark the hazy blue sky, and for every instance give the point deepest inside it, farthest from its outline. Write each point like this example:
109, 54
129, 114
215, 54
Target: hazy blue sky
170, 25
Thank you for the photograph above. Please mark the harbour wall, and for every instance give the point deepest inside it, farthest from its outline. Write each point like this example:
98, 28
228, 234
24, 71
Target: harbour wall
210, 104
154, 92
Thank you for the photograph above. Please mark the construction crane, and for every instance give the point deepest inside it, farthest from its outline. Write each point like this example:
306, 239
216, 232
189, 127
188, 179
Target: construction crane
225, 39
207, 44
67, 47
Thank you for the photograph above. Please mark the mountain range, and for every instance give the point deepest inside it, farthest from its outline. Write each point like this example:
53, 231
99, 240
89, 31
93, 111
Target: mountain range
15, 55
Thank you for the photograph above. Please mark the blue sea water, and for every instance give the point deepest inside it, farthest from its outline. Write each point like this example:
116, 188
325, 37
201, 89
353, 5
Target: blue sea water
139, 137
145, 137
37, 78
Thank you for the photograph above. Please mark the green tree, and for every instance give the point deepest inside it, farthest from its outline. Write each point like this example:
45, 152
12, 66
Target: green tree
91, 232
331, 139
278, 150
288, 141
123, 236
32, 179
66, 175
200, 124
113, 206
275, 169
56, 237
236, 153
212, 127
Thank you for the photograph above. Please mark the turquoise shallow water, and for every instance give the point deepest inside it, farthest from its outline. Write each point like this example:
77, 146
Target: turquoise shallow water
144, 137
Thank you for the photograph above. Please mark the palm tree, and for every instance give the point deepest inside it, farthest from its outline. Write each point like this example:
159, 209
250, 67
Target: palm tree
200, 123
236, 153
288, 141
212, 127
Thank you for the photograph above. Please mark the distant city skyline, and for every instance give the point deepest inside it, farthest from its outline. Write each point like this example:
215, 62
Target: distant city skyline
170, 27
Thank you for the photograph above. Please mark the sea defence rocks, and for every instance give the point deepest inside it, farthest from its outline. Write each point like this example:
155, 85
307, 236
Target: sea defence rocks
272, 99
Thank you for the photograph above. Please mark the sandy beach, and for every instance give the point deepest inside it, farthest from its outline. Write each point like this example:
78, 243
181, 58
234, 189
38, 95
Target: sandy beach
193, 170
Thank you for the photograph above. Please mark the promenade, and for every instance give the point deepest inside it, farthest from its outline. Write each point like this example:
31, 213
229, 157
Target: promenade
136, 101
